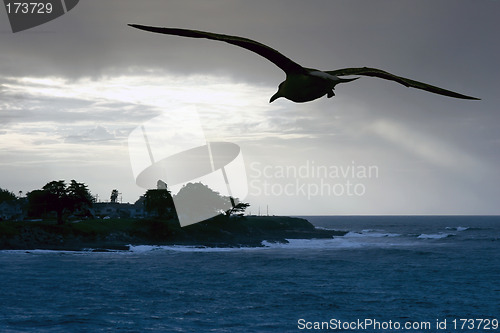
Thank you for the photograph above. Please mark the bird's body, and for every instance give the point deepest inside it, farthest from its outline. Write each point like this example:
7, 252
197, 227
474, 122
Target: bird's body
301, 88
305, 87
302, 84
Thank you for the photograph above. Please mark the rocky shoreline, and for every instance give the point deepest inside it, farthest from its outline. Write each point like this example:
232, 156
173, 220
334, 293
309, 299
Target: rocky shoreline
104, 235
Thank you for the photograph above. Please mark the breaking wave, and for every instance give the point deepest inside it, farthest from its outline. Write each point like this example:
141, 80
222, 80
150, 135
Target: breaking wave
435, 236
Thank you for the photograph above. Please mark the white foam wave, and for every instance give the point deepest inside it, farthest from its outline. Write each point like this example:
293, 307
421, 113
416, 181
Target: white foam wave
458, 228
338, 242
434, 236
370, 233
184, 248
324, 228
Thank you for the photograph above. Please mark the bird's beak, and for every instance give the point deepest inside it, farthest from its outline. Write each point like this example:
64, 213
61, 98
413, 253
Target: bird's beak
274, 97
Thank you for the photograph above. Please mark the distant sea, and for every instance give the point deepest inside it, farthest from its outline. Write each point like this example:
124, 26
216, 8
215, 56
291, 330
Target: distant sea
395, 273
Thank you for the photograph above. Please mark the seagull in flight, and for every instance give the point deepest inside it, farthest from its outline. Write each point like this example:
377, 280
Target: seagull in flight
302, 84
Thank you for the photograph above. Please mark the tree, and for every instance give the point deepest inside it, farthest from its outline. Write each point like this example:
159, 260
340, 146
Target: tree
197, 201
6, 195
37, 203
159, 202
58, 197
79, 196
114, 195
238, 209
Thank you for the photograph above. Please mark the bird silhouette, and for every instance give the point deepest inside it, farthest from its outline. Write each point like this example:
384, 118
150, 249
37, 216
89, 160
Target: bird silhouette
302, 84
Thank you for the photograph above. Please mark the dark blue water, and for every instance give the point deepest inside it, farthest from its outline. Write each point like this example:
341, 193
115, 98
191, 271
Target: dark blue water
390, 269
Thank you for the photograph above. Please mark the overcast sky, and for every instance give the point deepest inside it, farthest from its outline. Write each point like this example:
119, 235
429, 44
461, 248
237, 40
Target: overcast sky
73, 89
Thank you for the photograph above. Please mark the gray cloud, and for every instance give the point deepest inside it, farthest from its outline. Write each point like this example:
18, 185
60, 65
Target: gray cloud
96, 134
94, 38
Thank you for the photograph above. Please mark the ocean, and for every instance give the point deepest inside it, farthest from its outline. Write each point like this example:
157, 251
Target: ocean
388, 274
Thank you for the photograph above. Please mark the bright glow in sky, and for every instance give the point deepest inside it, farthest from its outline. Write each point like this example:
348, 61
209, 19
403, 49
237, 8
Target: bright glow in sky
94, 117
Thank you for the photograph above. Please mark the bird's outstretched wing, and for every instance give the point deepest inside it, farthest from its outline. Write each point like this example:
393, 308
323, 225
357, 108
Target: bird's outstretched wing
287, 65
404, 81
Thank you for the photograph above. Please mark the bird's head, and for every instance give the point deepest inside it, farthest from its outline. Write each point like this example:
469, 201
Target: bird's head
279, 93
